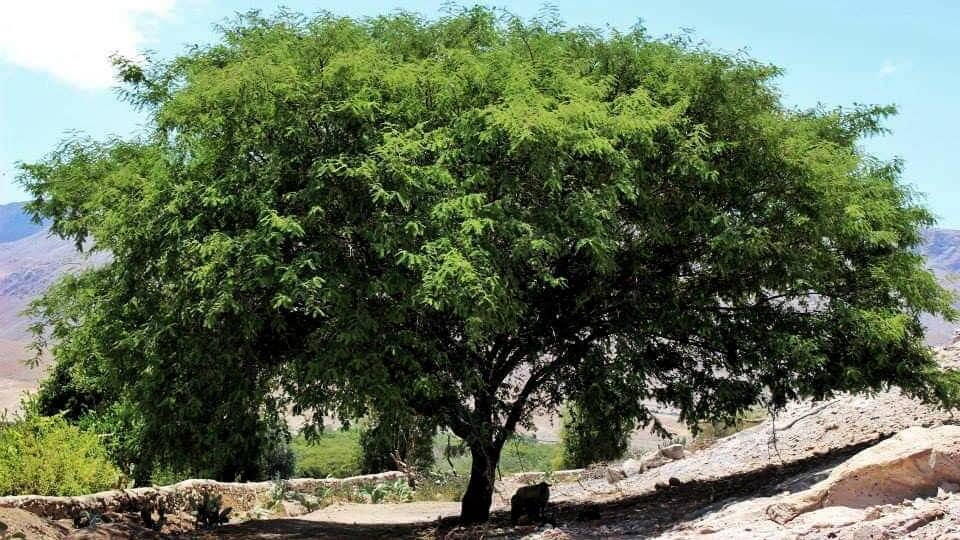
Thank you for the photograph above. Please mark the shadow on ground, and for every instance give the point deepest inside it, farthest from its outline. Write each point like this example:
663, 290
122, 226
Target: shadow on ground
640, 515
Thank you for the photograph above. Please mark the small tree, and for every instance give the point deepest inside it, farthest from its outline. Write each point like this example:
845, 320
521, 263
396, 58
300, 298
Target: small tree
253, 444
457, 217
590, 435
391, 436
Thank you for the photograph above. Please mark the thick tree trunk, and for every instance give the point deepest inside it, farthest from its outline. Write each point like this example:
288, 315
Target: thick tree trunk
475, 507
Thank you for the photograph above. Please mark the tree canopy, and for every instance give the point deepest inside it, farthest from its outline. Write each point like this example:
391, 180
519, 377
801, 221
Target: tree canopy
470, 218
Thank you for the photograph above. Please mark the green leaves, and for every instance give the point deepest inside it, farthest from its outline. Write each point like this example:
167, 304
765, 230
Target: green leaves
461, 218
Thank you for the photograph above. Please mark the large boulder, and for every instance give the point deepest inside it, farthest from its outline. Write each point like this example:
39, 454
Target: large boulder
913, 463
674, 451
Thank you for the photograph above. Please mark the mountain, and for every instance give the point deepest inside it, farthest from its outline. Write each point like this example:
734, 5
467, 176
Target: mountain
30, 260
15, 224
942, 250
941, 247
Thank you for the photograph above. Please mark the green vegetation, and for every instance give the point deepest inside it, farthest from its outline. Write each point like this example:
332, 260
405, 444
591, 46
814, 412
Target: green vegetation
520, 454
596, 422
47, 456
332, 454
458, 219
711, 432
441, 485
398, 491
337, 454
389, 436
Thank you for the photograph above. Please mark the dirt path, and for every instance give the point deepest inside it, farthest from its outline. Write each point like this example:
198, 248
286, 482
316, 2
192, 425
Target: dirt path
376, 514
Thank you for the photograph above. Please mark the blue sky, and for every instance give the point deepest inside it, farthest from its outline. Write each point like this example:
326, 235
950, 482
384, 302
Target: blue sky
54, 76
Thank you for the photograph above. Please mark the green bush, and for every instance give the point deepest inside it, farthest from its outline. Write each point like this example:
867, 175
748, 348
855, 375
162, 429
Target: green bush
519, 454
593, 433
410, 437
334, 454
48, 456
441, 485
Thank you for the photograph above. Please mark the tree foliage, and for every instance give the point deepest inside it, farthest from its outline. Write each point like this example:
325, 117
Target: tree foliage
593, 432
458, 216
392, 435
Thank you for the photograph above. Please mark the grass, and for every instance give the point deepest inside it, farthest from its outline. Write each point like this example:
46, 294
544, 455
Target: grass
441, 486
335, 454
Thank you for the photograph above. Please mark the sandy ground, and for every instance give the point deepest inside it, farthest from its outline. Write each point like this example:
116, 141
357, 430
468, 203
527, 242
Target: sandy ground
415, 512
11, 391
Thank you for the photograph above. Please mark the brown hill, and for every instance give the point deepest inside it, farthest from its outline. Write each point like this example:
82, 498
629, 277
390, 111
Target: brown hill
942, 249
28, 265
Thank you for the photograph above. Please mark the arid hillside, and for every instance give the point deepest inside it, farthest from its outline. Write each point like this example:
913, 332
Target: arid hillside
14, 224
942, 250
30, 260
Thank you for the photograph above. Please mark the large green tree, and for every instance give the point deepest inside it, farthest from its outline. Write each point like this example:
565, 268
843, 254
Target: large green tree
459, 217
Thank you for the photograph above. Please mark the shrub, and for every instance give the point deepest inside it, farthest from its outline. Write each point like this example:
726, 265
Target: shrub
333, 454
407, 436
593, 432
711, 432
398, 491
441, 486
277, 459
47, 456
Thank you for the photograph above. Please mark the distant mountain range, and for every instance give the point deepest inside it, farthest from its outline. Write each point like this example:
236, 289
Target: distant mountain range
30, 260
941, 247
14, 224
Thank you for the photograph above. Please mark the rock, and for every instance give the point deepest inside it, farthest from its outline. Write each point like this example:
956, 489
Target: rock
240, 496
674, 481
293, 508
632, 467
674, 451
834, 516
615, 474
653, 461
910, 464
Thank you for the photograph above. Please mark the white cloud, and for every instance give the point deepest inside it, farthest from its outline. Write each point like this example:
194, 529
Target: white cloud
73, 39
888, 68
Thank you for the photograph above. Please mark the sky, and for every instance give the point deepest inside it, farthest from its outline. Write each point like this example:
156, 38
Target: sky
55, 75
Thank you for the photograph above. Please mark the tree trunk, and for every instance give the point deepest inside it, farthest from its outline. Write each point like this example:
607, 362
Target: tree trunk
475, 507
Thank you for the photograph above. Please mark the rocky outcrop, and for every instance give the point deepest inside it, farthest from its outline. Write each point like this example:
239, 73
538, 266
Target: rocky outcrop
914, 463
902, 487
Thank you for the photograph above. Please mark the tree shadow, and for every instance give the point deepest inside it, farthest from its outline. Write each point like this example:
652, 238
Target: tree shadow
647, 514
656, 511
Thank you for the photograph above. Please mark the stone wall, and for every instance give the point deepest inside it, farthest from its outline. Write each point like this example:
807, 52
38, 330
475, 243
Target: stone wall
181, 497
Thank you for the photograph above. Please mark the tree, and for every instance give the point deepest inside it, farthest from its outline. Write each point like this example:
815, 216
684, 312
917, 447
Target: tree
390, 436
457, 217
231, 441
